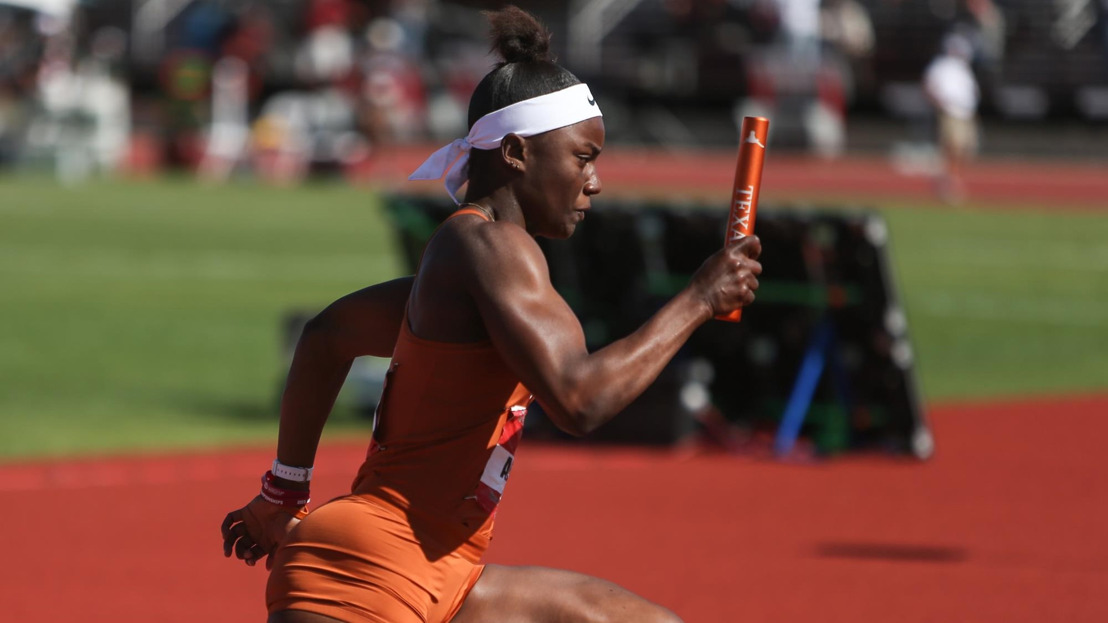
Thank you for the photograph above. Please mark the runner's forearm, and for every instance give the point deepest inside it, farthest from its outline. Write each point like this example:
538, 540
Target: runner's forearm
315, 378
609, 379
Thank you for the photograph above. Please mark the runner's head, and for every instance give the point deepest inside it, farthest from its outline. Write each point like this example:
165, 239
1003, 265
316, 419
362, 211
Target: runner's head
535, 132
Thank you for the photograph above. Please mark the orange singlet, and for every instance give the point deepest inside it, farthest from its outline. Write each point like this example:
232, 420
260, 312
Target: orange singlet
405, 545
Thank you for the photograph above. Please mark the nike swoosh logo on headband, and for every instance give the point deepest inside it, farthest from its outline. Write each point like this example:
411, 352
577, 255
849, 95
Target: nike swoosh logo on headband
592, 102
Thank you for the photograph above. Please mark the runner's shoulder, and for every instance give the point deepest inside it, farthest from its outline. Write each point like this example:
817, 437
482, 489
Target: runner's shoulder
498, 242
497, 254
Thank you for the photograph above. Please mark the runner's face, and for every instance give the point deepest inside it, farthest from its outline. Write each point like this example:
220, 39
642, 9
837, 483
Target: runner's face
560, 177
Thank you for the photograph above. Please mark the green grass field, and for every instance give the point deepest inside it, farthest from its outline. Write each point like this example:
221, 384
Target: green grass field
146, 315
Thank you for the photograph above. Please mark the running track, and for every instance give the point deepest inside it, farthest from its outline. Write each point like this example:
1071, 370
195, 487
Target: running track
707, 175
1004, 524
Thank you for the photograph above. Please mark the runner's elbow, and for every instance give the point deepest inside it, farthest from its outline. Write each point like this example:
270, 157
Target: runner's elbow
320, 336
318, 329
575, 426
576, 418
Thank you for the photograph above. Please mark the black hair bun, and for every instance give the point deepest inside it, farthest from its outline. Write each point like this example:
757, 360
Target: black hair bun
518, 37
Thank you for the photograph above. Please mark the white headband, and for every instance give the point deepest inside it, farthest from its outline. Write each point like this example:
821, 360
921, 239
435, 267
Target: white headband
527, 118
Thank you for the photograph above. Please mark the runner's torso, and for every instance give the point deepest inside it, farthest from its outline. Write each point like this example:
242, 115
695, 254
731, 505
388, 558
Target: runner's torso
445, 434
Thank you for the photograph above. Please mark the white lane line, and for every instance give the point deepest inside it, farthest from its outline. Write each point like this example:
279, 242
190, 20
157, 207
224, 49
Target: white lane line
1044, 254
122, 473
28, 259
1047, 310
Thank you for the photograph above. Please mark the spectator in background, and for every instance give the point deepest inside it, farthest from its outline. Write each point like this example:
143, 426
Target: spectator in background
84, 122
799, 20
326, 55
228, 131
848, 39
846, 27
952, 90
20, 53
990, 30
237, 79
1104, 34
106, 97
251, 38
312, 128
392, 101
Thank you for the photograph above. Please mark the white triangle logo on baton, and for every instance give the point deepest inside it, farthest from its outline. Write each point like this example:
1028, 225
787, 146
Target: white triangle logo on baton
753, 138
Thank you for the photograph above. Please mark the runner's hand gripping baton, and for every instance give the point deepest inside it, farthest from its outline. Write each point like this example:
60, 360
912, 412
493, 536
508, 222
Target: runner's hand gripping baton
748, 181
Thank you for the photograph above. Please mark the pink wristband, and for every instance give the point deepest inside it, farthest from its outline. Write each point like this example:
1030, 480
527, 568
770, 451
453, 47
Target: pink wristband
275, 494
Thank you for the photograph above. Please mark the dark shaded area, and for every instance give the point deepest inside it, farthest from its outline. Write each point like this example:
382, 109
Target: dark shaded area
828, 295
895, 552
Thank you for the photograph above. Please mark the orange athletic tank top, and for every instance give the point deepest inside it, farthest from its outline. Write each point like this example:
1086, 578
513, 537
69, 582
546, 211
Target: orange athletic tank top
445, 435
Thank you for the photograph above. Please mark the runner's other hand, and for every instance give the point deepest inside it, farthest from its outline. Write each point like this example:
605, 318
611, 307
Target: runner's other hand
256, 530
727, 280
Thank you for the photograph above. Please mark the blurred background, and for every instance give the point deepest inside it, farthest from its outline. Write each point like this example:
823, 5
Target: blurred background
183, 182
291, 87
907, 426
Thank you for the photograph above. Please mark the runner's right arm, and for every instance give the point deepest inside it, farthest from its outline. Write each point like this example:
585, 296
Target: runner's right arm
366, 322
541, 338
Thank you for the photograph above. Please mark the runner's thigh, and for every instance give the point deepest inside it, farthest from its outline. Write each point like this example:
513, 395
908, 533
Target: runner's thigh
540, 595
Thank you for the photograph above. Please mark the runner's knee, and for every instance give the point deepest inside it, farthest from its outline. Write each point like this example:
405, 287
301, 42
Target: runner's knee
538, 595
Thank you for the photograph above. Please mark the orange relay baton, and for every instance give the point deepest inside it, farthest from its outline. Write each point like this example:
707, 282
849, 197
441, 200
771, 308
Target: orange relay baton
748, 181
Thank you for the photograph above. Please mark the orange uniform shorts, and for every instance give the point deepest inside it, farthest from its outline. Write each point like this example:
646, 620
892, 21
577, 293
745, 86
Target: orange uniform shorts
356, 559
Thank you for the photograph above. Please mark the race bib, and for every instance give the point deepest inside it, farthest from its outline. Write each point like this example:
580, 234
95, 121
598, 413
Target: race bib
499, 465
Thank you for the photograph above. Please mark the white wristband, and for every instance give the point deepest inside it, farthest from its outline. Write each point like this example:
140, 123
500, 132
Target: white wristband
295, 474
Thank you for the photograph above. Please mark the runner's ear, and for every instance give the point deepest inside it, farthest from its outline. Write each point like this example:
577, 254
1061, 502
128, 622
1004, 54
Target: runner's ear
513, 149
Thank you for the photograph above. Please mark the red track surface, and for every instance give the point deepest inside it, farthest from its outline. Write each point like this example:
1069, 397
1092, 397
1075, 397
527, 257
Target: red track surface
1004, 524
708, 175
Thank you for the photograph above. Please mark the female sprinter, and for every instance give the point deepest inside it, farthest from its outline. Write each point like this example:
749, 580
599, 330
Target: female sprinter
473, 337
